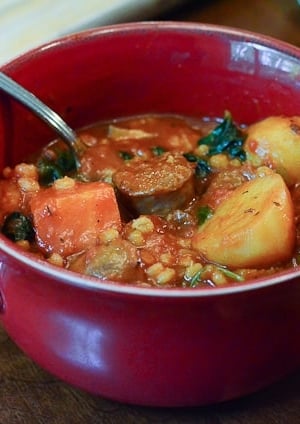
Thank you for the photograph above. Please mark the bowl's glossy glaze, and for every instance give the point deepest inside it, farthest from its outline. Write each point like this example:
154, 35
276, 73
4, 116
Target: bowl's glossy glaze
150, 347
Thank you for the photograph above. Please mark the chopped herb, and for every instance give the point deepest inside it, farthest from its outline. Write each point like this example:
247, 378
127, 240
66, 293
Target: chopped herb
125, 155
158, 150
66, 161
48, 172
197, 277
204, 213
230, 274
62, 163
225, 138
202, 168
18, 227
191, 157
195, 280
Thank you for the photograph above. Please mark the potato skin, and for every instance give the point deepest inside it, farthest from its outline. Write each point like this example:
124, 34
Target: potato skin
253, 228
275, 142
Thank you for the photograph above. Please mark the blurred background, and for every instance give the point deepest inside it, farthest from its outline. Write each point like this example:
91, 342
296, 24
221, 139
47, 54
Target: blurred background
25, 24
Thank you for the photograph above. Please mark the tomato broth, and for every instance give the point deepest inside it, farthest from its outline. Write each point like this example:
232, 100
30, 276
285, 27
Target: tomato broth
162, 201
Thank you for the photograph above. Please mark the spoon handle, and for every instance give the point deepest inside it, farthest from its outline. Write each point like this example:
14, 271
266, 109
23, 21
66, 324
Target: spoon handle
39, 108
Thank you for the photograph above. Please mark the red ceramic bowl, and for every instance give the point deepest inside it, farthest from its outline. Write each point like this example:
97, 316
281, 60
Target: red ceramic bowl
148, 346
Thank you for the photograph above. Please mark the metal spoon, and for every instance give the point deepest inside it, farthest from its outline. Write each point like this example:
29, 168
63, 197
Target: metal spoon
19, 93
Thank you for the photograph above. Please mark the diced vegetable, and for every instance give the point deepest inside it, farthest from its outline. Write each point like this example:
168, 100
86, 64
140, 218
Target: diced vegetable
125, 155
70, 215
254, 227
119, 133
158, 150
60, 164
204, 213
202, 169
275, 142
48, 172
18, 227
225, 138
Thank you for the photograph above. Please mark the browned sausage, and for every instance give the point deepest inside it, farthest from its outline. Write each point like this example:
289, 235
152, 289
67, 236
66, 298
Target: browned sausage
156, 186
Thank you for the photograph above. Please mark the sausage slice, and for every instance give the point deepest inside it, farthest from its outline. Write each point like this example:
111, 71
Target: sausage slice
156, 186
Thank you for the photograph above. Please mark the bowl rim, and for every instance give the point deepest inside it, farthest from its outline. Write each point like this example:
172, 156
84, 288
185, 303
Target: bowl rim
152, 25
71, 278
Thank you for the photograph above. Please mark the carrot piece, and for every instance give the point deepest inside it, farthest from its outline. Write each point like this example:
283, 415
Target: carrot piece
69, 216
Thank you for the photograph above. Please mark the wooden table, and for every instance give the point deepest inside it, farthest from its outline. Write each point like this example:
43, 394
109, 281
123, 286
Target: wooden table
30, 395
278, 18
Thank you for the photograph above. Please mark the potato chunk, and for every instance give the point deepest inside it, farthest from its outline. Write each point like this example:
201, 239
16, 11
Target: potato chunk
275, 141
253, 228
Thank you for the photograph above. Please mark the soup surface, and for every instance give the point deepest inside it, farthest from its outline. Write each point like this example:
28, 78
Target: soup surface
162, 201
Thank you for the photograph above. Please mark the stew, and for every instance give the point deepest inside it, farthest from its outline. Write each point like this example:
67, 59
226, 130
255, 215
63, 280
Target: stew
162, 201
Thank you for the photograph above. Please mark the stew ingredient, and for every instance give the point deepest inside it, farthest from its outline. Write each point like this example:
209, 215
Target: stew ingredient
163, 201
